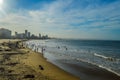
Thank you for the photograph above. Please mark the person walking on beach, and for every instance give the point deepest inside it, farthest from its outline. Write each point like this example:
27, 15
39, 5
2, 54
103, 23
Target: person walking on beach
42, 50
37, 49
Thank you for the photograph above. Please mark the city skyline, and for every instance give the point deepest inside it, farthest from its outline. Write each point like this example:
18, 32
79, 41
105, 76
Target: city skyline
77, 19
7, 34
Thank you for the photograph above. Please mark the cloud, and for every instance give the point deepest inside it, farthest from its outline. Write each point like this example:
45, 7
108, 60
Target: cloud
67, 17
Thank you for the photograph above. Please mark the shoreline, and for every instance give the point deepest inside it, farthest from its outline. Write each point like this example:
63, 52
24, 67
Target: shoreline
85, 69
23, 63
99, 66
52, 70
81, 61
88, 71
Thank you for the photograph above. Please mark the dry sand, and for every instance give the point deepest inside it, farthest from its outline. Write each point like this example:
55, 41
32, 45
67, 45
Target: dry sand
7, 40
24, 64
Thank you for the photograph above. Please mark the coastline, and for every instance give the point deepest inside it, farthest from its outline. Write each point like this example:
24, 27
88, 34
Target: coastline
23, 63
88, 71
96, 72
35, 59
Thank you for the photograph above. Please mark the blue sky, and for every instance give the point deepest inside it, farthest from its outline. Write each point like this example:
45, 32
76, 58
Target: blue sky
78, 19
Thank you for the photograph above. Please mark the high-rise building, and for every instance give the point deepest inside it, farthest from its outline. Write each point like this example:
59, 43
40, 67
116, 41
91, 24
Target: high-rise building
26, 33
16, 34
39, 35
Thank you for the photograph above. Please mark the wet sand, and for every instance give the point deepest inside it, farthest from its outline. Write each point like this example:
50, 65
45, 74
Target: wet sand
19, 63
88, 71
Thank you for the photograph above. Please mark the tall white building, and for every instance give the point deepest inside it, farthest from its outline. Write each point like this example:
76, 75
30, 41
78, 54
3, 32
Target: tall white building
5, 33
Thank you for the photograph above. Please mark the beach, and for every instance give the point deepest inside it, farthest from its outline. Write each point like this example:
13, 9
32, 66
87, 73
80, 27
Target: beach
20, 63
79, 59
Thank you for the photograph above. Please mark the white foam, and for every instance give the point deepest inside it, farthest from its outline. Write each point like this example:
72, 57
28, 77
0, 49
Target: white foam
108, 69
102, 56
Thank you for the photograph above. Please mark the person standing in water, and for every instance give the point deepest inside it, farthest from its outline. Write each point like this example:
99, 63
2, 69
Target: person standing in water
42, 50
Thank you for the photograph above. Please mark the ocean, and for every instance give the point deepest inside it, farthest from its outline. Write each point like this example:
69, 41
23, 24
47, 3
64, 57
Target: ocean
102, 53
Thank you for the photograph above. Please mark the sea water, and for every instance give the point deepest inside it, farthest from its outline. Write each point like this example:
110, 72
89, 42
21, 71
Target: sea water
102, 53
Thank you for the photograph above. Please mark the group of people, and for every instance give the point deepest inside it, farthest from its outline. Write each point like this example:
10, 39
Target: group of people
40, 48
64, 47
35, 47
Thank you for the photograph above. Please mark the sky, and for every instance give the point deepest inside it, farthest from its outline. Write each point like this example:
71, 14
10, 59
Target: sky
76, 19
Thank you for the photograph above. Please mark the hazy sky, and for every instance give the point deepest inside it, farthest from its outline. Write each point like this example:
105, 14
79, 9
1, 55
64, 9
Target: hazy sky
84, 19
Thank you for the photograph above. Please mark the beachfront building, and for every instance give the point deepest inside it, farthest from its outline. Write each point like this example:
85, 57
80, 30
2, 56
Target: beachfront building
28, 35
5, 33
19, 35
22, 35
